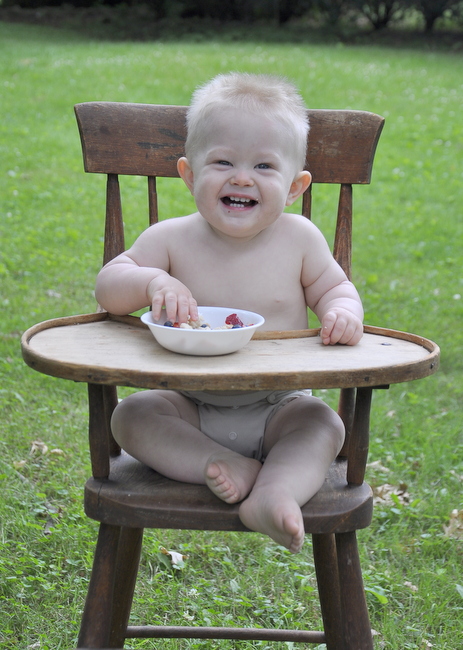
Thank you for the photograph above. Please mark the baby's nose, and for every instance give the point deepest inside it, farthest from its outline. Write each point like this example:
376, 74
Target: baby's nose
242, 178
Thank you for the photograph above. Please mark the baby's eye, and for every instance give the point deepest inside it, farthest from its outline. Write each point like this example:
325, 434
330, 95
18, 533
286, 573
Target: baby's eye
223, 162
263, 166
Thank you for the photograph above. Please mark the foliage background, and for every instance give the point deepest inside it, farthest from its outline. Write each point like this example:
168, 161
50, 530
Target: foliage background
375, 14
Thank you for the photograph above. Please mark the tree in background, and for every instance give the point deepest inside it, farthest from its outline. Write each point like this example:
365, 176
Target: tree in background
287, 9
246, 10
380, 12
431, 10
333, 10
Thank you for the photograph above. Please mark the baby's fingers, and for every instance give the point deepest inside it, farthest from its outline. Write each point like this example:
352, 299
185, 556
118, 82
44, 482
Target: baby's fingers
171, 303
341, 327
178, 307
157, 303
186, 306
353, 333
328, 324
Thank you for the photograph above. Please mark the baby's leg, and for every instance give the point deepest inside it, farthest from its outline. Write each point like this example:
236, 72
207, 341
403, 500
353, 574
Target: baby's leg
301, 441
161, 429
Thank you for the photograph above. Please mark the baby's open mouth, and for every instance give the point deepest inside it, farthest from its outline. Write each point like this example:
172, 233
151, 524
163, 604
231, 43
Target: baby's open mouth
238, 202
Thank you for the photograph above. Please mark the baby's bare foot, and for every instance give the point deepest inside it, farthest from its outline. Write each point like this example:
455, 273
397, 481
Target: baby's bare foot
276, 515
231, 476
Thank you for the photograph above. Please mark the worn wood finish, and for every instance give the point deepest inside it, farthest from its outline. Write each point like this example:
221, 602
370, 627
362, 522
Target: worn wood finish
110, 401
147, 140
238, 633
355, 624
359, 438
346, 411
97, 616
128, 558
97, 431
114, 229
98, 348
152, 201
106, 351
306, 209
326, 567
137, 496
342, 250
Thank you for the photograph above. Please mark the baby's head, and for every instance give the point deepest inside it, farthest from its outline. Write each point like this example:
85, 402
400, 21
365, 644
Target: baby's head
274, 97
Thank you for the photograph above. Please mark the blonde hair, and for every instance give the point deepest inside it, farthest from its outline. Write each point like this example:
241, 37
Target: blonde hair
260, 94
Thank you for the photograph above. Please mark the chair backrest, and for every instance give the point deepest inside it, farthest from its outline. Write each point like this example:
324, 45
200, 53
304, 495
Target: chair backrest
147, 140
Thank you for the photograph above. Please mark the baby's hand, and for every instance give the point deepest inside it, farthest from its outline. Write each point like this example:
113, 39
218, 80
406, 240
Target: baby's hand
164, 290
341, 326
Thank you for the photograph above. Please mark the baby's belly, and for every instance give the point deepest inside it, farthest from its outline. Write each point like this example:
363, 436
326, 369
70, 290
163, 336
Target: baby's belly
286, 317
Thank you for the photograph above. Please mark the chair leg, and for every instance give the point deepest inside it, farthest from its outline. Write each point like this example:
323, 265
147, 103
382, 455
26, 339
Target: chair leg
355, 620
128, 559
96, 620
326, 567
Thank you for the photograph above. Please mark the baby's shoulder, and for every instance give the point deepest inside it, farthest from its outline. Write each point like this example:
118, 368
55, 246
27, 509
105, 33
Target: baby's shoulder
296, 225
171, 227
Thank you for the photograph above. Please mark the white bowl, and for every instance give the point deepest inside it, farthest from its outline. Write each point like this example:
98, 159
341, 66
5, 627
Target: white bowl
200, 342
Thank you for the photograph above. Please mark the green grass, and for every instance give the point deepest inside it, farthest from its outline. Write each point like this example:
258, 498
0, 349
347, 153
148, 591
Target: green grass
407, 266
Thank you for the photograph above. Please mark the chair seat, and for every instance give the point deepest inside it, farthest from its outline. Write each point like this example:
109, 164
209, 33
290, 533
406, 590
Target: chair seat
136, 496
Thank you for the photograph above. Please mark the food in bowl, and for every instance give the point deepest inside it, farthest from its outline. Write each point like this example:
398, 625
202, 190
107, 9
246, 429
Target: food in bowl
232, 321
219, 330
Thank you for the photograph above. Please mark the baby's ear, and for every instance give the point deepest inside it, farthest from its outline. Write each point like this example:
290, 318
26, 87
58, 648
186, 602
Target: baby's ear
185, 172
299, 185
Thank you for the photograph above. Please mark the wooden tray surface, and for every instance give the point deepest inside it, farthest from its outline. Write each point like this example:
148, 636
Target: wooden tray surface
105, 349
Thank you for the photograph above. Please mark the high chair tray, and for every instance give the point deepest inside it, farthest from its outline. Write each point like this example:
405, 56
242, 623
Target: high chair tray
119, 350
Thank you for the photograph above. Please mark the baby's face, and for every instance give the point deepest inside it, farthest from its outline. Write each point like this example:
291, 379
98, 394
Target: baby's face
242, 176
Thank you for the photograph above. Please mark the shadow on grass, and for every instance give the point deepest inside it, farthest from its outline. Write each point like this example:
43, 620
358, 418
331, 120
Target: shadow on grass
139, 23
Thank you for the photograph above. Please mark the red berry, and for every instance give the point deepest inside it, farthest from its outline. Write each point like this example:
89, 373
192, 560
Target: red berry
233, 319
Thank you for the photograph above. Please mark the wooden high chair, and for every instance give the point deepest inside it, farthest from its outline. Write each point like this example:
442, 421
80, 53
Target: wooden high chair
105, 351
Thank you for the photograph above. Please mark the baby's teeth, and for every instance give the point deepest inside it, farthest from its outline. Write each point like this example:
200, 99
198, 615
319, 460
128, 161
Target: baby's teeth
237, 199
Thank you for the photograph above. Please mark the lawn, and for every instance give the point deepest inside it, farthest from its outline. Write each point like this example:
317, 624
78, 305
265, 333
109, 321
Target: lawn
407, 266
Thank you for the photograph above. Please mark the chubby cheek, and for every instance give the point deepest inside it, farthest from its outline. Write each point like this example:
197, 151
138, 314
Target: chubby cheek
212, 211
206, 188
277, 193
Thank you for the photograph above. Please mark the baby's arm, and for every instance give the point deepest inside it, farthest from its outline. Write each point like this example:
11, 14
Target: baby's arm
331, 296
139, 278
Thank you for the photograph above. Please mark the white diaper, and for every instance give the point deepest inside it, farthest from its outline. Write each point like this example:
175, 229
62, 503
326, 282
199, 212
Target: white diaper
239, 421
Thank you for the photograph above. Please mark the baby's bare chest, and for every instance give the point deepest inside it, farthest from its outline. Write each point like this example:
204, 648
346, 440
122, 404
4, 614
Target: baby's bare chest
208, 263
266, 279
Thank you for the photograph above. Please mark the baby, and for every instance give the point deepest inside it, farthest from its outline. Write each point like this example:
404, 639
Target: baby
244, 163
